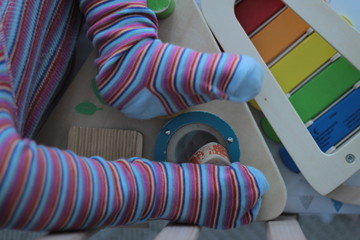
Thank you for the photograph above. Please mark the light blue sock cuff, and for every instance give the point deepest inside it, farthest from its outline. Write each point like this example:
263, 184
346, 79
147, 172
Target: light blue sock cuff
263, 187
247, 80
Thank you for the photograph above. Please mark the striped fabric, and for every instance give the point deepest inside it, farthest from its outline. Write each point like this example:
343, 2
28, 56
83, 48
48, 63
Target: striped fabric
44, 188
136, 68
39, 42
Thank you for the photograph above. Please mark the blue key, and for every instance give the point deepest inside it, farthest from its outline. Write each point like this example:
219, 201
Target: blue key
331, 127
338, 122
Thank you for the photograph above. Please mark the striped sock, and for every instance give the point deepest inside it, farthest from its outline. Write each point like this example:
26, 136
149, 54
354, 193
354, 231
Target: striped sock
58, 190
144, 78
210, 195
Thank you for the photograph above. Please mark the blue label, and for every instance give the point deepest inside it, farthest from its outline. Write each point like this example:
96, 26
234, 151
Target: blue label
338, 122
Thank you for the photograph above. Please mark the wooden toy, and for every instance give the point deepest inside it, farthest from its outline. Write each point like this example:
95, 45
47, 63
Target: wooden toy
106, 142
326, 172
312, 82
325, 87
183, 135
311, 96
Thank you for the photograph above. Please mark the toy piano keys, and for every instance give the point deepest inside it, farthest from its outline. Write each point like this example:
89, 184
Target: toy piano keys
310, 71
311, 94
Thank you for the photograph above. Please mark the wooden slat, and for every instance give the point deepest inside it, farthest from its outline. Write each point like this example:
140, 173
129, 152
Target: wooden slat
109, 143
284, 228
179, 232
69, 236
346, 194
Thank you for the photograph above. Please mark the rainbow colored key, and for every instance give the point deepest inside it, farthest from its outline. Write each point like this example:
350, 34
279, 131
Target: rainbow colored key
302, 61
253, 13
279, 34
338, 122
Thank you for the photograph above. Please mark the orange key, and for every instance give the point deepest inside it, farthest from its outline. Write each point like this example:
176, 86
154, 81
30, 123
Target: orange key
279, 34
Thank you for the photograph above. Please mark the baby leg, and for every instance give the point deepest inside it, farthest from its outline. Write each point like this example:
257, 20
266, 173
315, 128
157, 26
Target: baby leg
144, 77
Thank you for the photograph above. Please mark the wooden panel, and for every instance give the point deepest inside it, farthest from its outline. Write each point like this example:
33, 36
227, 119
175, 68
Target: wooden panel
69, 236
108, 143
346, 194
284, 228
179, 232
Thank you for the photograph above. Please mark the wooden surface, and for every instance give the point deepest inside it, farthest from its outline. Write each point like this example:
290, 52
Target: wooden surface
108, 143
346, 194
179, 232
284, 228
68, 236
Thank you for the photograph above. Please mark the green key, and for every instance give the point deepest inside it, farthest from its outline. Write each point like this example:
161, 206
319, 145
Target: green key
321, 91
325, 88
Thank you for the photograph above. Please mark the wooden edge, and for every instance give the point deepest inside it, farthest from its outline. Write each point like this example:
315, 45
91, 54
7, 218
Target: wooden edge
179, 232
284, 228
106, 142
346, 194
69, 235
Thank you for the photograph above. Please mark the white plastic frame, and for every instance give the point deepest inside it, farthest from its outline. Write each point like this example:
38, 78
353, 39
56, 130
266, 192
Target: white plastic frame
325, 172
